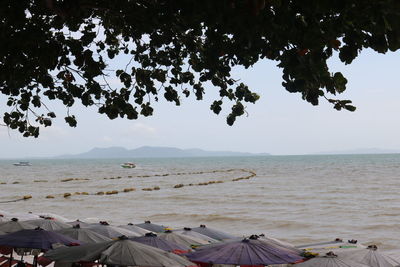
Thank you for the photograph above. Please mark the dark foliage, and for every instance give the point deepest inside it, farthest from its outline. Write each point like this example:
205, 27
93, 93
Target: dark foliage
63, 49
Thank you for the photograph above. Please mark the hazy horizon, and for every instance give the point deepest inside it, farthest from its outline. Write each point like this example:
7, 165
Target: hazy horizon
280, 123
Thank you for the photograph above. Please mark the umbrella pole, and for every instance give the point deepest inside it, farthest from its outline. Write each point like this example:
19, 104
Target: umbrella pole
11, 256
35, 261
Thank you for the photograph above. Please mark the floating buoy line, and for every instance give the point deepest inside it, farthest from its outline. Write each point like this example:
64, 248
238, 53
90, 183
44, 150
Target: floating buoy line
250, 174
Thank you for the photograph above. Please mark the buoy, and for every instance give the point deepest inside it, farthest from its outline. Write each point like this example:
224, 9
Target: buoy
147, 189
67, 195
27, 197
49, 196
126, 190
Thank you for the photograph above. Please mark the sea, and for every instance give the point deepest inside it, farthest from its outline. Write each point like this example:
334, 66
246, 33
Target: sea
298, 199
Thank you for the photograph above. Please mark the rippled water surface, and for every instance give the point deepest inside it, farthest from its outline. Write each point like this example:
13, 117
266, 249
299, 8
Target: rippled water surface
300, 199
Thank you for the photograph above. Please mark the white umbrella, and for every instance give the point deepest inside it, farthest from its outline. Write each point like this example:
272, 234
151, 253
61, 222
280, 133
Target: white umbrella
83, 234
49, 224
213, 233
110, 231
370, 256
182, 239
122, 252
81, 223
130, 253
188, 232
330, 260
134, 228
15, 225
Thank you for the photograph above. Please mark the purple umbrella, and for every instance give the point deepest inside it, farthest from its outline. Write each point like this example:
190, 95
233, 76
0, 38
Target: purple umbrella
248, 251
37, 238
153, 240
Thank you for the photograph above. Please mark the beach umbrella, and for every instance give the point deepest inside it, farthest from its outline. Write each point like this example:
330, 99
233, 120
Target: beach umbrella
53, 216
279, 244
213, 233
148, 225
110, 231
370, 256
182, 239
329, 260
338, 243
15, 225
121, 252
188, 232
249, 251
128, 253
6, 216
135, 228
49, 224
83, 234
153, 240
81, 224
36, 238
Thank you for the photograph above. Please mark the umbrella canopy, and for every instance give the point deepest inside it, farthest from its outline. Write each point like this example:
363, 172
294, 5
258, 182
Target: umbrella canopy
110, 231
81, 224
215, 234
153, 240
370, 256
338, 243
49, 224
188, 232
129, 253
15, 225
330, 260
134, 228
120, 252
248, 251
53, 216
152, 227
83, 234
182, 239
36, 238
280, 244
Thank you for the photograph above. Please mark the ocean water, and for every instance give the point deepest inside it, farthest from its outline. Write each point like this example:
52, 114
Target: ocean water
300, 199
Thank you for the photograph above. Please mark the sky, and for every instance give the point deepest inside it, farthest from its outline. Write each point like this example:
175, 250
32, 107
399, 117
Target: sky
280, 123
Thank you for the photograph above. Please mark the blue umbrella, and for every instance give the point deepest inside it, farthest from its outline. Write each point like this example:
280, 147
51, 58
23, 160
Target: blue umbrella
36, 238
248, 251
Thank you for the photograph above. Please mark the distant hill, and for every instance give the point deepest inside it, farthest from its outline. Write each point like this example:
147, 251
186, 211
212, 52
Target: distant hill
155, 152
360, 151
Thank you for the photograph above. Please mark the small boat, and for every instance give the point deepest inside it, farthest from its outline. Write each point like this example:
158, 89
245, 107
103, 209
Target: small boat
22, 163
128, 165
